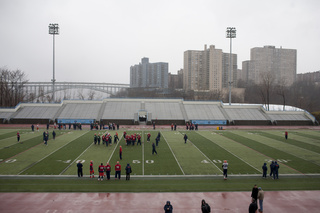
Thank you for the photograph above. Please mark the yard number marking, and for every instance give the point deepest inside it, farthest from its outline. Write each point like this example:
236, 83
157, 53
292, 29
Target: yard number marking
11, 160
136, 161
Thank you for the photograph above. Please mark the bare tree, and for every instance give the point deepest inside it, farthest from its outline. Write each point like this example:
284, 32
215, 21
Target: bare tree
11, 87
266, 88
91, 94
281, 89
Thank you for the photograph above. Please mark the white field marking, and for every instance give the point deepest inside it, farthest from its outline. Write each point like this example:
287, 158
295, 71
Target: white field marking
232, 154
76, 159
11, 161
205, 156
150, 161
49, 154
142, 139
174, 155
136, 161
115, 147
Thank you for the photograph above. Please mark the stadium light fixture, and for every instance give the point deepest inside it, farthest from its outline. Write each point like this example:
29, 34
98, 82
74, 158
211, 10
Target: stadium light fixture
53, 30
231, 33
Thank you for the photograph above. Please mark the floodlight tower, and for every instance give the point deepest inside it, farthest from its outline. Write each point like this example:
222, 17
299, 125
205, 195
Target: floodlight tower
53, 30
231, 33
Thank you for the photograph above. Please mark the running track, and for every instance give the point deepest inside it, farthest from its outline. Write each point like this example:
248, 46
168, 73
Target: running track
275, 201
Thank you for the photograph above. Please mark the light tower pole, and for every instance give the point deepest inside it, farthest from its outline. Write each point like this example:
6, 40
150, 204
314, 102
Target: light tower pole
53, 30
231, 33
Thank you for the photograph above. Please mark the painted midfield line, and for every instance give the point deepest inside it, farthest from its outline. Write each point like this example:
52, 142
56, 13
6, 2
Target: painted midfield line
48, 155
173, 155
232, 153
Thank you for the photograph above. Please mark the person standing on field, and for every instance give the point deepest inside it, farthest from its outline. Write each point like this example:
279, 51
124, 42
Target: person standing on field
108, 171
185, 138
120, 152
101, 172
53, 135
118, 170
91, 169
18, 137
128, 171
79, 165
225, 169
264, 169
286, 135
154, 149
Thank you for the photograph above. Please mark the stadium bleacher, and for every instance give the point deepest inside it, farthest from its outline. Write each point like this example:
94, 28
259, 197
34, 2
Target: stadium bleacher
163, 111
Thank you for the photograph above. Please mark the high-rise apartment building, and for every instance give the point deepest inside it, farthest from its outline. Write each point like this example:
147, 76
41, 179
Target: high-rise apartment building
208, 69
281, 63
147, 74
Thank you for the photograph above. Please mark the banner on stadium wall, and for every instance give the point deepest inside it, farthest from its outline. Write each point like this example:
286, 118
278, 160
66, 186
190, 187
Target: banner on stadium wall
72, 121
210, 122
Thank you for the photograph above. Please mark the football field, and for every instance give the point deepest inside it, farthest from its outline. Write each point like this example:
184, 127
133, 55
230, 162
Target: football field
203, 154
32, 166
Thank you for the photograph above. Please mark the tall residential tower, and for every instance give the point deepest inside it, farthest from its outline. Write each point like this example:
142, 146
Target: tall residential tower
147, 74
207, 69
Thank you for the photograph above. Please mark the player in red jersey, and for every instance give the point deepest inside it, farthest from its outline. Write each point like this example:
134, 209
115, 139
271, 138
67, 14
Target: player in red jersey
120, 152
139, 139
117, 168
148, 137
101, 171
108, 170
91, 170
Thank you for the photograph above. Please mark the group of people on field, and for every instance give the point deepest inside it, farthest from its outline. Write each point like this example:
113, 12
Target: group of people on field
105, 170
105, 138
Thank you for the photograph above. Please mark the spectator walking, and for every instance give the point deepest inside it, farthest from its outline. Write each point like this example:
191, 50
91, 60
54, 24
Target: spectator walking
260, 197
254, 192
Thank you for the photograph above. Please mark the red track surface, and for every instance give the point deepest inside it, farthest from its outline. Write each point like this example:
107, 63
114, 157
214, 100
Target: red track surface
279, 201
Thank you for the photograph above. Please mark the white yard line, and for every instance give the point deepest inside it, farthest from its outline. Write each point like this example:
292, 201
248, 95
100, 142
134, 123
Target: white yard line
115, 148
49, 154
204, 155
75, 159
231, 153
174, 155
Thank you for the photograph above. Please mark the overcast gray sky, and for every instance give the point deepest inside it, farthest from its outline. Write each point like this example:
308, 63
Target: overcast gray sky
100, 39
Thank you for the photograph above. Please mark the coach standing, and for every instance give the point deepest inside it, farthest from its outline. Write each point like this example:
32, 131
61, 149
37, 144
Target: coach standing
79, 165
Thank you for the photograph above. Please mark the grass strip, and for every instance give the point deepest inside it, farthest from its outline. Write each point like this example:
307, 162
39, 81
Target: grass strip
156, 185
291, 141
